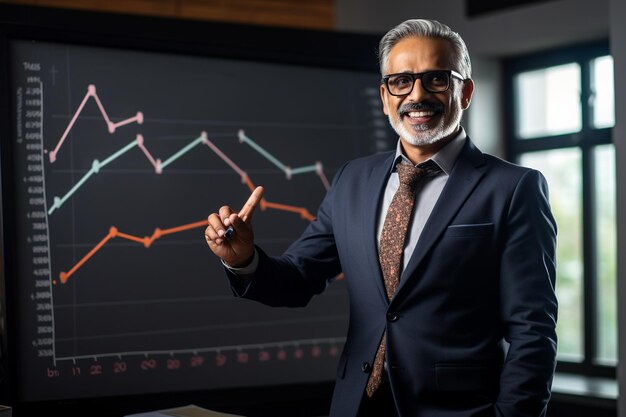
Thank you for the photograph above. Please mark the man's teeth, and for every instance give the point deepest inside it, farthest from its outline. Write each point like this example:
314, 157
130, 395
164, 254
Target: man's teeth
416, 114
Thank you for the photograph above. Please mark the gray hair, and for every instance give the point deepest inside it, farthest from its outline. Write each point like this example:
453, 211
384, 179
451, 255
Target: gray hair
427, 29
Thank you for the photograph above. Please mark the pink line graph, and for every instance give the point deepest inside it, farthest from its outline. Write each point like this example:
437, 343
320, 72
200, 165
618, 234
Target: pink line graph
91, 92
319, 170
222, 155
156, 163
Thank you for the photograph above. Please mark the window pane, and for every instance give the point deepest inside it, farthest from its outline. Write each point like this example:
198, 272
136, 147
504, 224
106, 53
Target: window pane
548, 101
562, 169
604, 92
606, 238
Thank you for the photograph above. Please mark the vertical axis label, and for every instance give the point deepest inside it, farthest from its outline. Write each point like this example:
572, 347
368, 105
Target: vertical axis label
30, 114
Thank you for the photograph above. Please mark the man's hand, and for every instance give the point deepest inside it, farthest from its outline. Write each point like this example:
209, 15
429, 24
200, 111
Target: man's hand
239, 249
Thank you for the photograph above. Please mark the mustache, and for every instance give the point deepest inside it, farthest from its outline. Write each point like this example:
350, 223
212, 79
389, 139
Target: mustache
421, 106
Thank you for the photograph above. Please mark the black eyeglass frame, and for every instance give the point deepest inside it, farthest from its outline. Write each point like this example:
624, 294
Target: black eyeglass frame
418, 76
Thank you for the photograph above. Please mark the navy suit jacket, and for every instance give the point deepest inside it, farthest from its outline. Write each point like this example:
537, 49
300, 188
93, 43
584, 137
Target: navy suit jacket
471, 328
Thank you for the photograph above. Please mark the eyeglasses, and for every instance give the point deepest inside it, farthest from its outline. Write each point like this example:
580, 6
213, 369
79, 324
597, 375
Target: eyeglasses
436, 81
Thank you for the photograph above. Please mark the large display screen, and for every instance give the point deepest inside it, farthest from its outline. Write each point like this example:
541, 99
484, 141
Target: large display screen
117, 157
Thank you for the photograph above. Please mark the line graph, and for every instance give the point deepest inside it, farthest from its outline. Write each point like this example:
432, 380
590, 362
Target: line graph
112, 126
116, 176
159, 165
158, 233
289, 172
95, 168
114, 233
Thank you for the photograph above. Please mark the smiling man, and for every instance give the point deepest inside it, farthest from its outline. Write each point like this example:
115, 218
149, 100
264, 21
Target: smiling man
448, 254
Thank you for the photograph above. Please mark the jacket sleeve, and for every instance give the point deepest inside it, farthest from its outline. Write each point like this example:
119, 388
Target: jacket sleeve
528, 301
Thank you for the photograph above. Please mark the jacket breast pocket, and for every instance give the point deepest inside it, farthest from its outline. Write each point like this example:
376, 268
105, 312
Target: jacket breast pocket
470, 230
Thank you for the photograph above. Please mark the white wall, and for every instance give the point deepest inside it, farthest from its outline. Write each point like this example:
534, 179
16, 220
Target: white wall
484, 119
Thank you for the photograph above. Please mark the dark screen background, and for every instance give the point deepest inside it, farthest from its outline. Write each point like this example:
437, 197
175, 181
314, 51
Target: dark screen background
144, 313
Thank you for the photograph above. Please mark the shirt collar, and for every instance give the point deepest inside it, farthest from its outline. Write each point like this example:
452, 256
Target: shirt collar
445, 157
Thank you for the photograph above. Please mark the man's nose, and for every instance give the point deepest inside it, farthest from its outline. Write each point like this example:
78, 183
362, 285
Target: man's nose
418, 93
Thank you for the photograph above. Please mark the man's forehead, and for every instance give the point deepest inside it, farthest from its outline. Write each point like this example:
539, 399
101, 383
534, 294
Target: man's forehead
435, 53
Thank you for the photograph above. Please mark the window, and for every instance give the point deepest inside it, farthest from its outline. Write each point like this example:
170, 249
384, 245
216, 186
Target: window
561, 112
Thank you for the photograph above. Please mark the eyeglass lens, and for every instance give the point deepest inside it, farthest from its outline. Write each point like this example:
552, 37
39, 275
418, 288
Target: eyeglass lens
432, 81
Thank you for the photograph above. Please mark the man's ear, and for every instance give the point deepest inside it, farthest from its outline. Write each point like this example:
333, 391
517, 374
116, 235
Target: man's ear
467, 93
383, 97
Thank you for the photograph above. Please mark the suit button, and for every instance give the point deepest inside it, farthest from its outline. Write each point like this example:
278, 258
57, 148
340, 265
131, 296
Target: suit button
392, 317
366, 367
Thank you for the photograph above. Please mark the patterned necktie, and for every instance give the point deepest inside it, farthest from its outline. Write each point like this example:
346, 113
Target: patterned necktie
391, 248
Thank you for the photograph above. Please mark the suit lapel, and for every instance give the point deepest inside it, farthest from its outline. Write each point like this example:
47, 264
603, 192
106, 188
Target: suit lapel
463, 179
372, 200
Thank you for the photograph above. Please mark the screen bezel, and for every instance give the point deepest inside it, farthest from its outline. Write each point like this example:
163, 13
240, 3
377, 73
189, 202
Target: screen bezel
324, 49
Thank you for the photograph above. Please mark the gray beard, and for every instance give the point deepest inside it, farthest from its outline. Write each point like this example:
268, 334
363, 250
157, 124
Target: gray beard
419, 136
414, 138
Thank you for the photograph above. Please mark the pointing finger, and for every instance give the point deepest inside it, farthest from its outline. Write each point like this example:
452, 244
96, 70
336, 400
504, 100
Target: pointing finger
253, 201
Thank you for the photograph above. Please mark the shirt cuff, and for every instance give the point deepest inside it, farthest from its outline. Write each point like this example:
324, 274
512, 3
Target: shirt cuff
247, 270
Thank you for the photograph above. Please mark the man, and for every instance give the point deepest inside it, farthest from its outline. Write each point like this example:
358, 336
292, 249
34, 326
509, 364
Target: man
452, 314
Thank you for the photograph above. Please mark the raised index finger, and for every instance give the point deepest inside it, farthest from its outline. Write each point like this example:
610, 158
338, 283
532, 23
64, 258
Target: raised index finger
253, 201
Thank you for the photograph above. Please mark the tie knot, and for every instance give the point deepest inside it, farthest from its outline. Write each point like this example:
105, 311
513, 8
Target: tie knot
409, 175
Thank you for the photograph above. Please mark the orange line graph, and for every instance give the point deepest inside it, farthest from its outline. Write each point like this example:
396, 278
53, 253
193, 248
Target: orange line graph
147, 241
304, 213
